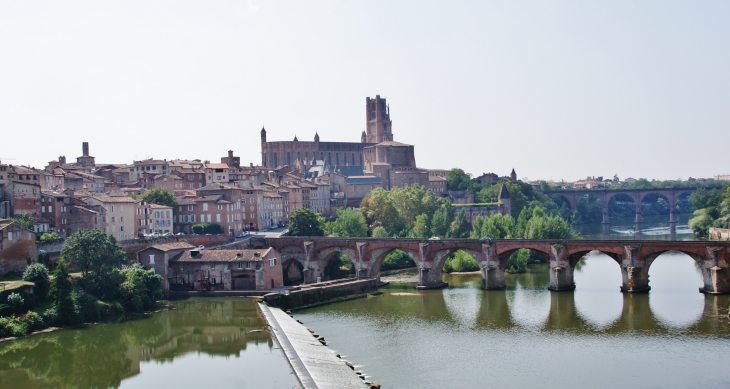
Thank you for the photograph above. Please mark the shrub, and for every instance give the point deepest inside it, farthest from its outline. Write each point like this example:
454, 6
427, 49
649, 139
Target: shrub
207, 228
50, 316
16, 302
38, 274
141, 288
20, 325
85, 306
50, 237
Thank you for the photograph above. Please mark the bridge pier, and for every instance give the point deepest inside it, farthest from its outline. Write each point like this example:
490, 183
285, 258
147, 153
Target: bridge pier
428, 279
561, 278
634, 271
492, 278
715, 273
561, 272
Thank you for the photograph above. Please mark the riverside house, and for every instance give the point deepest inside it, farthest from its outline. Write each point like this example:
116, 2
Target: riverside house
204, 270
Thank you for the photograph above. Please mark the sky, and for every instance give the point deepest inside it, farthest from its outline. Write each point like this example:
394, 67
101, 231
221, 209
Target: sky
554, 89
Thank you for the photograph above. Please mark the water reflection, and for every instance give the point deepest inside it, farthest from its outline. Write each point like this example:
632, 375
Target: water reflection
599, 280
672, 299
654, 227
115, 354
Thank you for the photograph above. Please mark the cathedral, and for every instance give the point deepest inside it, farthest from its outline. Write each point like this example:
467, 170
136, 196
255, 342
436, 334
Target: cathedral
377, 154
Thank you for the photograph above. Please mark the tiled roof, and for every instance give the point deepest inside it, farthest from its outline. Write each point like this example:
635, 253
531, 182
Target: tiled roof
222, 255
104, 198
158, 206
216, 166
172, 246
366, 180
348, 170
209, 198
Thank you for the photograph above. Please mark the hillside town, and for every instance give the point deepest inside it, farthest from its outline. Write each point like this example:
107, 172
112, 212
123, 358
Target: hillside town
66, 196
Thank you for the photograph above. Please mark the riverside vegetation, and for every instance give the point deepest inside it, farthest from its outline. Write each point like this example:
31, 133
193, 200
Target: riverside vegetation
102, 290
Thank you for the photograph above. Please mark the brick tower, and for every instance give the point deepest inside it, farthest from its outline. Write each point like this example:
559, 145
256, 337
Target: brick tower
378, 125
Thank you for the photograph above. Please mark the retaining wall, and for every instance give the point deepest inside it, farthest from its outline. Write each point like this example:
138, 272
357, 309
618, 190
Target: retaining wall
321, 293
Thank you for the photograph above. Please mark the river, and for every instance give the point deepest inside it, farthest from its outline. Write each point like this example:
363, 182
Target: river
200, 343
526, 336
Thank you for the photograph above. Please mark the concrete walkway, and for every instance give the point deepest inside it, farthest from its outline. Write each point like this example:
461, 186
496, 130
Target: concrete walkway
315, 365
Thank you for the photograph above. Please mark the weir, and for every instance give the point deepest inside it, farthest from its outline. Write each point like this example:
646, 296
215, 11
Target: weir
634, 258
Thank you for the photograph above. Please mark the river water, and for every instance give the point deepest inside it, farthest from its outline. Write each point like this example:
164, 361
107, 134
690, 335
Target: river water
528, 337
654, 227
201, 343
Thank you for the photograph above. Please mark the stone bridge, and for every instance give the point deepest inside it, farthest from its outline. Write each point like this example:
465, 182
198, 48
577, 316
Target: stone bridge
633, 257
604, 196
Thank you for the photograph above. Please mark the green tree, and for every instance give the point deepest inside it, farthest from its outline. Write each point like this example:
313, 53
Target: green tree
441, 220
349, 224
141, 288
380, 232
304, 222
379, 210
98, 256
460, 261
459, 227
421, 228
641, 183
38, 275
457, 179
160, 196
60, 291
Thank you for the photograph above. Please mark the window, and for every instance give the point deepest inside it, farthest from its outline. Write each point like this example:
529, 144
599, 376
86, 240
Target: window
112, 219
152, 259
240, 265
10, 235
258, 266
272, 262
112, 208
190, 207
248, 265
121, 219
205, 206
212, 267
220, 207
121, 228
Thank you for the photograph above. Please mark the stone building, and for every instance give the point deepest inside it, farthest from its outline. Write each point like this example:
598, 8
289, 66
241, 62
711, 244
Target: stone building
17, 247
254, 269
119, 218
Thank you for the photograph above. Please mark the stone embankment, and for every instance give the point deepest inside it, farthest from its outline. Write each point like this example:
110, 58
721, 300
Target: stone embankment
315, 365
321, 293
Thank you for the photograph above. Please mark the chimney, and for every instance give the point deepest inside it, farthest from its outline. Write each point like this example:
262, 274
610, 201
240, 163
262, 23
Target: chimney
251, 164
230, 157
85, 149
62, 159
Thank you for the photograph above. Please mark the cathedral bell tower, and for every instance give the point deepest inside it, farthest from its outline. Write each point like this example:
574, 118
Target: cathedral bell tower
377, 120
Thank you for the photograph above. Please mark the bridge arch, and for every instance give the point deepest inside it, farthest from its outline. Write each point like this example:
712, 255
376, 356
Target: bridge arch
377, 256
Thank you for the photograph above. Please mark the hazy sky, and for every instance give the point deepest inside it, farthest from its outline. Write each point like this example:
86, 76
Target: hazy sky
557, 90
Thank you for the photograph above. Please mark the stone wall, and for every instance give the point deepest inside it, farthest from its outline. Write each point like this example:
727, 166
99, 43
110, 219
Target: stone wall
719, 234
317, 294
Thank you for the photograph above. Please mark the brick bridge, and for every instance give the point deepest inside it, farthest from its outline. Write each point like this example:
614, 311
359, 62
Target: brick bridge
634, 258
604, 196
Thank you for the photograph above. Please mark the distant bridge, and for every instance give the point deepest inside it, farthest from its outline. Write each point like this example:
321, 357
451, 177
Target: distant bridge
604, 196
633, 257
